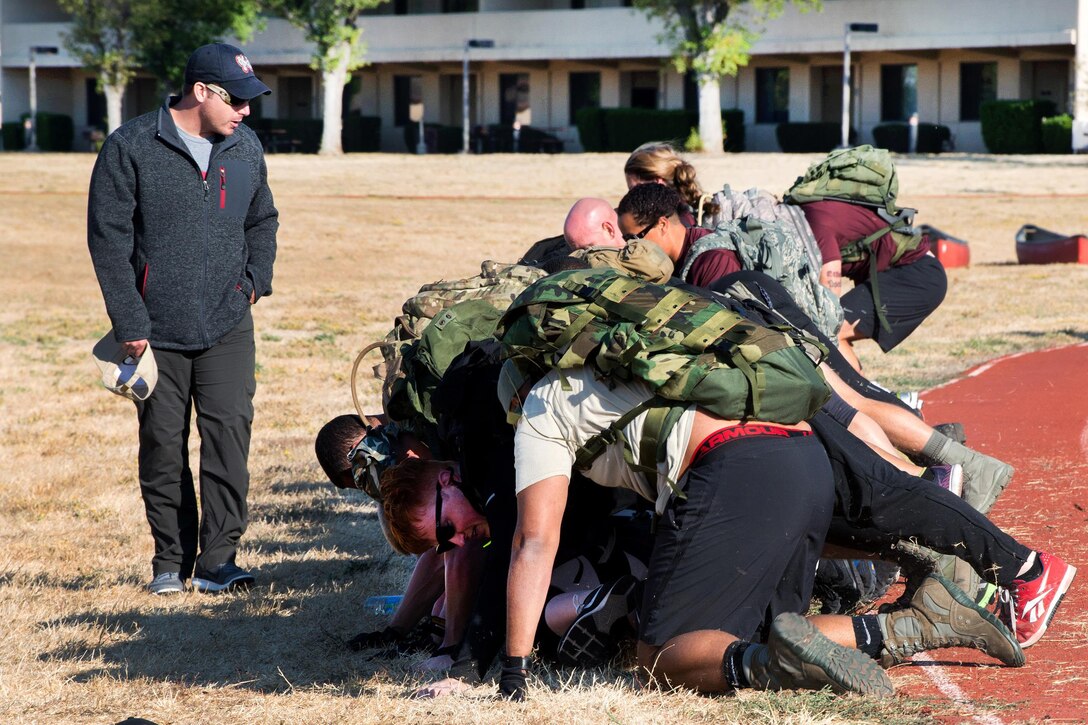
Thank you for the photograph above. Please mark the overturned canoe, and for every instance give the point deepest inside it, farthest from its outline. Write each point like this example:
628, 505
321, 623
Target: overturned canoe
951, 251
1035, 245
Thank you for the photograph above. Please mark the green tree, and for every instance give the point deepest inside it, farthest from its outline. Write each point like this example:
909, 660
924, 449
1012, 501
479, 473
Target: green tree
332, 26
101, 38
713, 39
114, 38
168, 31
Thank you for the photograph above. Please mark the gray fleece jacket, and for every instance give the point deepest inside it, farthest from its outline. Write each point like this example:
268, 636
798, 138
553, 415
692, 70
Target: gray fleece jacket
177, 255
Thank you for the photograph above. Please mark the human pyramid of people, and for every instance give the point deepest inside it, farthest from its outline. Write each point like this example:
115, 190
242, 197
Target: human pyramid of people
659, 432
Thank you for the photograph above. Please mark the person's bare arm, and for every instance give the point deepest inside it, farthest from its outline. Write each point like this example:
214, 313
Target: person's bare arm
536, 539
424, 587
464, 565
831, 276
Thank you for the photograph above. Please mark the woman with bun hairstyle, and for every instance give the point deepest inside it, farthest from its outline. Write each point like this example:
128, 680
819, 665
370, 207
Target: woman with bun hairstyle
657, 162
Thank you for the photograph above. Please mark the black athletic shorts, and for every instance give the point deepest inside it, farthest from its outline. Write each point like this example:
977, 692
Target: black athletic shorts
908, 294
742, 547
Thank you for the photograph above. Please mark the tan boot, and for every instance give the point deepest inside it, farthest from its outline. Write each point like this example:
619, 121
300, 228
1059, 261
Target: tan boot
941, 615
798, 657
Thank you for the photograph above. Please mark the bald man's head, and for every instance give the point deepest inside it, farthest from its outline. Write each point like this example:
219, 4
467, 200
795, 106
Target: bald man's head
592, 223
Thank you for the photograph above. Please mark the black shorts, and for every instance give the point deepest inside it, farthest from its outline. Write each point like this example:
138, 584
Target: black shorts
743, 546
908, 294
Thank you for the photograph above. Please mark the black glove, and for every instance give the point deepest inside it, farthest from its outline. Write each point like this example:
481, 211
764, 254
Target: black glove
512, 678
373, 640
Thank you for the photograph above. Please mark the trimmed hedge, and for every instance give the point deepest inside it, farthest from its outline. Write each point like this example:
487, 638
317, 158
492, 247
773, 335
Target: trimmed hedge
55, 132
932, 137
812, 137
590, 122
1014, 127
359, 133
14, 139
1057, 134
449, 139
624, 129
733, 129
500, 139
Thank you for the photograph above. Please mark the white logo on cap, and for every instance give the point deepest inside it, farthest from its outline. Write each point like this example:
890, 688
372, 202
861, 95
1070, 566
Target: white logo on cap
243, 63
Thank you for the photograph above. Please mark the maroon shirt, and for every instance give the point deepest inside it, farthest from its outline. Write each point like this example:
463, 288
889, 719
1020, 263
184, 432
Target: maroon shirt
709, 266
837, 224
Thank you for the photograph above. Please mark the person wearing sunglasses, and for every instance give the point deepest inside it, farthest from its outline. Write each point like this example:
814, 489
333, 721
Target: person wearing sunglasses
652, 212
458, 516
182, 233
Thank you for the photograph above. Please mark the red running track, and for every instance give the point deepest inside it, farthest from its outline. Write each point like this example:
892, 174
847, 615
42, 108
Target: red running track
1031, 410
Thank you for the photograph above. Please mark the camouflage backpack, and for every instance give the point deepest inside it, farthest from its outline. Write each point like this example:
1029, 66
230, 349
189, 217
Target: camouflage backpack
770, 246
434, 326
865, 176
689, 347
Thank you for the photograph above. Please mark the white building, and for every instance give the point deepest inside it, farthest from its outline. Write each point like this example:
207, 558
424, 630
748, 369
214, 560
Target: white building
550, 57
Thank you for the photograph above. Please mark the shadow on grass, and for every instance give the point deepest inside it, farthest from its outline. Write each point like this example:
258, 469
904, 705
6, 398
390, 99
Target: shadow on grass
316, 561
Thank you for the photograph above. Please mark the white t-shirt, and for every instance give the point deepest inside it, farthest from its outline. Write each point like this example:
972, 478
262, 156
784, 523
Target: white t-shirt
556, 422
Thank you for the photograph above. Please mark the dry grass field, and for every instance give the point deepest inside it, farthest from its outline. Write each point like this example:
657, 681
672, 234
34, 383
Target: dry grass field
80, 641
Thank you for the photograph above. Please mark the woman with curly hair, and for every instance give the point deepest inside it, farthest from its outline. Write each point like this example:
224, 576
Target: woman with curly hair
657, 162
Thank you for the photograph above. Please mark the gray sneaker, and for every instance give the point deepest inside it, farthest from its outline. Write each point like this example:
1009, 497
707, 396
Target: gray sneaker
227, 576
984, 478
941, 615
168, 582
798, 657
592, 640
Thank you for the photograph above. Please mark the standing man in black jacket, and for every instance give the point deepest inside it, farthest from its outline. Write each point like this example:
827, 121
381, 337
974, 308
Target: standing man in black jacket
182, 232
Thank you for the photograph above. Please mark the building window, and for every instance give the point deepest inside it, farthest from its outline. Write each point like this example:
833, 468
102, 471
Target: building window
514, 99
644, 89
772, 95
978, 84
407, 99
898, 92
585, 92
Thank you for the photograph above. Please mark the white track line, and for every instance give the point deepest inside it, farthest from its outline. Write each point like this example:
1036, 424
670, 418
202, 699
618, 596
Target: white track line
952, 691
1084, 441
935, 672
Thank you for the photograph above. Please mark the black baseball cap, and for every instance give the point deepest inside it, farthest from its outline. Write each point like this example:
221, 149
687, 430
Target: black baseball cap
227, 67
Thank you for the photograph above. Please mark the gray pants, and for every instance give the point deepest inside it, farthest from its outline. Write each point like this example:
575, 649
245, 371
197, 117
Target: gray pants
221, 382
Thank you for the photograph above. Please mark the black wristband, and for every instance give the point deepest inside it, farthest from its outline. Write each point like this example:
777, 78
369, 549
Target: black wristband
512, 679
509, 662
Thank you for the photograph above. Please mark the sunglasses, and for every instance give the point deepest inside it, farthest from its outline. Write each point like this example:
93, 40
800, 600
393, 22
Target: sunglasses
443, 532
640, 235
227, 98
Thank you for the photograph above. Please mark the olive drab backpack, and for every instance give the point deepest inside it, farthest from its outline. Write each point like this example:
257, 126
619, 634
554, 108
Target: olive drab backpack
865, 176
774, 238
689, 347
434, 327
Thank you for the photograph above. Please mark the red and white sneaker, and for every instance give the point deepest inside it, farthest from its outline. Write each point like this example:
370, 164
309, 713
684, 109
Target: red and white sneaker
1033, 603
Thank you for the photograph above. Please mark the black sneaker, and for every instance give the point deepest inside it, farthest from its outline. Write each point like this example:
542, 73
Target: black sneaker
228, 576
593, 639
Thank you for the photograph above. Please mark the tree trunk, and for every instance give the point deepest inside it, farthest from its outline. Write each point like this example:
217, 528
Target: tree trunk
710, 113
332, 82
115, 93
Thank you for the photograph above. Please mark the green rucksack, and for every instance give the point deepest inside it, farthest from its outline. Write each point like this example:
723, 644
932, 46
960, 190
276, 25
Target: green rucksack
434, 327
865, 176
768, 246
688, 347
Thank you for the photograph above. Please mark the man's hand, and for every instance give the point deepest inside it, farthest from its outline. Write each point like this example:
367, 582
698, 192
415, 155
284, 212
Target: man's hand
134, 348
448, 686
